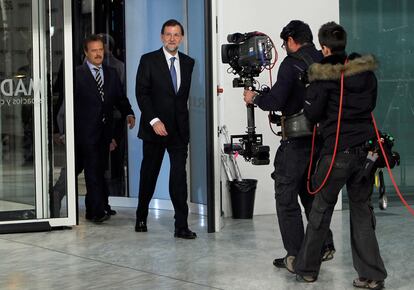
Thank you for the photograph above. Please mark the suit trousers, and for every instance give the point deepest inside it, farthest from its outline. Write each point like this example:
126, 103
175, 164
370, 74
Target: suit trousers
153, 154
92, 159
365, 251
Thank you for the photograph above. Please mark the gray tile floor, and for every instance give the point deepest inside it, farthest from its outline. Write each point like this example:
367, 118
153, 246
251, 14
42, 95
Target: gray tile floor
113, 256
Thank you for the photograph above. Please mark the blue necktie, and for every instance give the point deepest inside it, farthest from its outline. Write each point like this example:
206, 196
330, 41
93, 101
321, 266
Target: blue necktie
173, 74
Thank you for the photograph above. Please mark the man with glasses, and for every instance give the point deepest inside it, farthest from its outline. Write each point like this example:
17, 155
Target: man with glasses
292, 157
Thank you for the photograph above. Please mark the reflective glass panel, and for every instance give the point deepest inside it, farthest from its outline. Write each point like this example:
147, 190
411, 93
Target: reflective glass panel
17, 174
385, 29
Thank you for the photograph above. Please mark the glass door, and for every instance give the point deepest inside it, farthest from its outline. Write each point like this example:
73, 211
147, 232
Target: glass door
17, 172
196, 43
32, 87
106, 18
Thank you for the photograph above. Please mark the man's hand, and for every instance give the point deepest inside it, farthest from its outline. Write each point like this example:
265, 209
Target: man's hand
59, 139
131, 121
249, 96
159, 128
113, 145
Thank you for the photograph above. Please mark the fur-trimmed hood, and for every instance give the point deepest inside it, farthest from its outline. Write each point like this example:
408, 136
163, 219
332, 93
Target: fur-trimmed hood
331, 67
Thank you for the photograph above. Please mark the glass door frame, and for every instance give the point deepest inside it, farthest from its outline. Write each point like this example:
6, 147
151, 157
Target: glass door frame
72, 203
40, 71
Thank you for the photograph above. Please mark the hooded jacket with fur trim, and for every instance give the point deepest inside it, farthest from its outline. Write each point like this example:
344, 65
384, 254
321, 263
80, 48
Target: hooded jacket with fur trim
359, 99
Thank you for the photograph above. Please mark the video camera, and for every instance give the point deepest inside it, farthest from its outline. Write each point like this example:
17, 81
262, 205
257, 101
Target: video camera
248, 54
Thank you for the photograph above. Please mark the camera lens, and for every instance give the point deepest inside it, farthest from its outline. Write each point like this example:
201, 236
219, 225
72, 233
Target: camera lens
229, 52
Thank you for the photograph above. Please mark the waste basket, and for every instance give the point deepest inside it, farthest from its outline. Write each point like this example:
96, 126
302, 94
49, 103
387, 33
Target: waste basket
242, 195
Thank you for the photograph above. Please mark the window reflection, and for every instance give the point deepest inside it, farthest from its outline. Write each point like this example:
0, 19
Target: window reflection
17, 186
385, 29
18, 182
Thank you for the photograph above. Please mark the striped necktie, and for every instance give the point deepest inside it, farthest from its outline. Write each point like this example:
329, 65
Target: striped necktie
99, 82
173, 74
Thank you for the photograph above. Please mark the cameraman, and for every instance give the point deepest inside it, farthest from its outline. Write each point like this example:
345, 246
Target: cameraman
293, 155
321, 105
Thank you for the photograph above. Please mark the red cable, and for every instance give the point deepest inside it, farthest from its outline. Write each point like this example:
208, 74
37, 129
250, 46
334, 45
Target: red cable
270, 77
271, 84
410, 209
335, 148
389, 168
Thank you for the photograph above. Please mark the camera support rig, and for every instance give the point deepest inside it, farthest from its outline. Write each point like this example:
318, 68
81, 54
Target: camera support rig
248, 54
249, 145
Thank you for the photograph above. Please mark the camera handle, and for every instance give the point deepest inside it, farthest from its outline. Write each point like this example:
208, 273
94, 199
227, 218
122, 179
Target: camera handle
251, 126
249, 145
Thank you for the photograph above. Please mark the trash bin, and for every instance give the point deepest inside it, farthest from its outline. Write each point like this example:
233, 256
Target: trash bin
242, 195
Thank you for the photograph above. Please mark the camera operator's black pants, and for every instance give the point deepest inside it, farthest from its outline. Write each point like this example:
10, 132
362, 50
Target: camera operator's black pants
291, 165
365, 251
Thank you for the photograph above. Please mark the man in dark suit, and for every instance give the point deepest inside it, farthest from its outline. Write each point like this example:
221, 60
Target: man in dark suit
97, 90
162, 90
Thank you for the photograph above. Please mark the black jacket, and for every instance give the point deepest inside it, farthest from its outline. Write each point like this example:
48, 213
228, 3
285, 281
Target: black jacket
288, 93
360, 94
156, 97
89, 109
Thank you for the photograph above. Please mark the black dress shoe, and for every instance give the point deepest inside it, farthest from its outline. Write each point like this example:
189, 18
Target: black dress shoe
141, 227
101, 219
185, 234
111, 212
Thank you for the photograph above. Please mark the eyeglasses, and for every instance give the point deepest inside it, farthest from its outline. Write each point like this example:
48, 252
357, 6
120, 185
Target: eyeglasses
283, 46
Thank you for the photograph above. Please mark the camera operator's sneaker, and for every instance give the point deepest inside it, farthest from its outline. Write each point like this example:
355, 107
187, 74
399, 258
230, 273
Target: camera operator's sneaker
368, 284
328, 253
289, 263
305, 279
286, 262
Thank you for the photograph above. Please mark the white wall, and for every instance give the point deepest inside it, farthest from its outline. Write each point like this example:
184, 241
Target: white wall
267, 16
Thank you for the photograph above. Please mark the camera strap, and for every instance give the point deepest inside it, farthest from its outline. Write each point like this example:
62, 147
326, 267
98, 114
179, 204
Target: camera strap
303, 56
297, 125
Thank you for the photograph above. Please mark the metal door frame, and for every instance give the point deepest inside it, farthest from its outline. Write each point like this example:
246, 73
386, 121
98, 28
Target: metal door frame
40, 125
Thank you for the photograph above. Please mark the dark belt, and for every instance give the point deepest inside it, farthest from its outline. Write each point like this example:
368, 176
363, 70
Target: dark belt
356, 150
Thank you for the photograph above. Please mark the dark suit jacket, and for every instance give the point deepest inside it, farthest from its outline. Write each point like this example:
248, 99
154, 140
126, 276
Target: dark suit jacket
89, 109
157, 99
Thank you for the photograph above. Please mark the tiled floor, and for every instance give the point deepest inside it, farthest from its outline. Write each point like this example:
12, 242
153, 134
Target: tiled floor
113, 256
